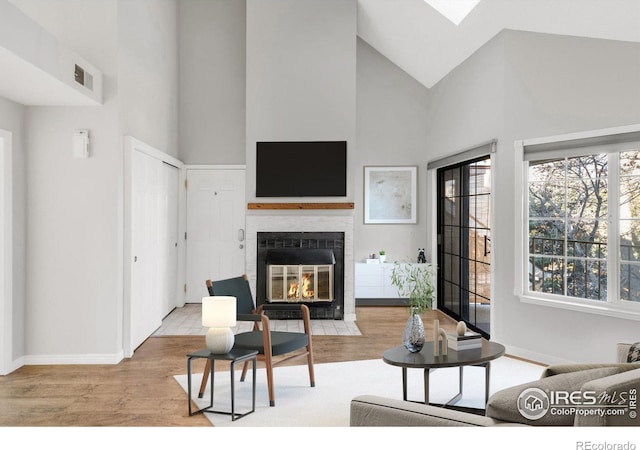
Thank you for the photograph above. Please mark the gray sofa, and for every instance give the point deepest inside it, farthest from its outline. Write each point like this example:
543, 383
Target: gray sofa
618, 382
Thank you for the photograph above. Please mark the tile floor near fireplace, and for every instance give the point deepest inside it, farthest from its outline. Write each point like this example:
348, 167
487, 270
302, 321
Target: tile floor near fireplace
188, 321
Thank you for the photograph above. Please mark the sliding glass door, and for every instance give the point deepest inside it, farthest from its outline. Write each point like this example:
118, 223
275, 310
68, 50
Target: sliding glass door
464, 242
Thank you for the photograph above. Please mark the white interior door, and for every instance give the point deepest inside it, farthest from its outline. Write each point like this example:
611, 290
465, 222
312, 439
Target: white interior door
169, 239
215, 227
146, 192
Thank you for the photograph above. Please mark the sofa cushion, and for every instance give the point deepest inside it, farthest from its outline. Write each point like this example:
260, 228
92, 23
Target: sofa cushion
558, 369
503, 405
376, 411
615, 387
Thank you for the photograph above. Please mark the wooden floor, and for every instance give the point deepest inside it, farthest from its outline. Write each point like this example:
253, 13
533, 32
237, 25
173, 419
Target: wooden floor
141, 391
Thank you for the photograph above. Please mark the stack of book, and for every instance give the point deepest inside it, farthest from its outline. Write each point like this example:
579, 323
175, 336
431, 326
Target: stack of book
468, 341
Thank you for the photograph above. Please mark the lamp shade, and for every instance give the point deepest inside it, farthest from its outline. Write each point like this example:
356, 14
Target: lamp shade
219, 311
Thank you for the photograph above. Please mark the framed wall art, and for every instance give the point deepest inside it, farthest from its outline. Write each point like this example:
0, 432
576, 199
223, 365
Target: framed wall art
390, 194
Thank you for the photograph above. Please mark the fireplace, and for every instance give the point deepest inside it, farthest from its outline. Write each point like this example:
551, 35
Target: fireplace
301, 267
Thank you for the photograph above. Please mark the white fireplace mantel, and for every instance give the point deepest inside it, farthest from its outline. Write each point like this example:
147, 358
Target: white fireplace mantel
292, 223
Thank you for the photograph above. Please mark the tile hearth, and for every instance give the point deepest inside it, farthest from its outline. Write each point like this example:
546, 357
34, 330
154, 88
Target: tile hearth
187, 321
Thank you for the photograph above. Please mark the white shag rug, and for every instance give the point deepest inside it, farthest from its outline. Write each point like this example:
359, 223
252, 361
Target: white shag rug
327, 404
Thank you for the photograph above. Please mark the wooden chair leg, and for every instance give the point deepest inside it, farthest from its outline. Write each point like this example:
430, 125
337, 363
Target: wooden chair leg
268, 361
306, 319
312, 377
205, 378
244, 370
269, 367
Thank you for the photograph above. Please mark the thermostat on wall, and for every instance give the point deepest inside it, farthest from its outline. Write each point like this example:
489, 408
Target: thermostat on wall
81, 144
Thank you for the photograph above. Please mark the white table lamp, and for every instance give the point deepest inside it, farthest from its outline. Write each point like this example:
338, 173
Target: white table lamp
219, 314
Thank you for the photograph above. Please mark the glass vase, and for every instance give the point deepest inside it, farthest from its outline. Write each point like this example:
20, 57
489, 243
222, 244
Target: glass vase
413, 336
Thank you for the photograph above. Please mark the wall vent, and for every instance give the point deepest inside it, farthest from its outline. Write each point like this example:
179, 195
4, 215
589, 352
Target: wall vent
83, 77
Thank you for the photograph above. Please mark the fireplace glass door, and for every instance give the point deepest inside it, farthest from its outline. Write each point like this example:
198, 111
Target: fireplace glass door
300, 283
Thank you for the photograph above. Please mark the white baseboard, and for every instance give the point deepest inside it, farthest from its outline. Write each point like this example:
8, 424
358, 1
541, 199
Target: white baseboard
38, 360
14, 365
534, 356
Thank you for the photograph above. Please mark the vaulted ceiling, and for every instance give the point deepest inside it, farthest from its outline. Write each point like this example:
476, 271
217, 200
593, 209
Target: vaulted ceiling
411, 33
427, 45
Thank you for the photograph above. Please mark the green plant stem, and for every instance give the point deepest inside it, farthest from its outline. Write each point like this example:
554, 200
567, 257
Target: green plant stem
415, 281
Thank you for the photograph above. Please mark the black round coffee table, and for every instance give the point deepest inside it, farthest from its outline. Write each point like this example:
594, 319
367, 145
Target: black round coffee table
426, 360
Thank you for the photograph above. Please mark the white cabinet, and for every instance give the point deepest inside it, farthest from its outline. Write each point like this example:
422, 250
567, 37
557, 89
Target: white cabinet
374, 281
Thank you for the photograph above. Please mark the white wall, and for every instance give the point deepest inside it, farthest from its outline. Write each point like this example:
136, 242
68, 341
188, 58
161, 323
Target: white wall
301, 77
72, 233
148, 72
212, 57
392, 118
12, 120
466, 108
85, 26
522, 85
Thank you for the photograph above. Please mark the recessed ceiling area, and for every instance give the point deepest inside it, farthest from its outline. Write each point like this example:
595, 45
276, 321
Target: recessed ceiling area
425, 44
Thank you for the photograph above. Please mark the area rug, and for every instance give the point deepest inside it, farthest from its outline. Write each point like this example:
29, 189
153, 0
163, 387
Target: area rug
327, 404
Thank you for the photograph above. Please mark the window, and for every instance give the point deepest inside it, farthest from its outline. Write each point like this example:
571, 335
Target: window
581, 233
568, 226
629, 226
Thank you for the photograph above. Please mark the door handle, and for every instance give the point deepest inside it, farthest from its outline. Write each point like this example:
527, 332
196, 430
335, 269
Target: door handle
241, 234
487, 241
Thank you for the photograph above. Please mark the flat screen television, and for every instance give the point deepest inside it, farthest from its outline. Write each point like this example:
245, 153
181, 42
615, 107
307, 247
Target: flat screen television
301, 169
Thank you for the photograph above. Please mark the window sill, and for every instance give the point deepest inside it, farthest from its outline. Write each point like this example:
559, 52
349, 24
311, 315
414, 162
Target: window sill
620, 311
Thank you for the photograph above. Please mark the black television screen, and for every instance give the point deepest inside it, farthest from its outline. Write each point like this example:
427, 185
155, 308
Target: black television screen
301, 169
